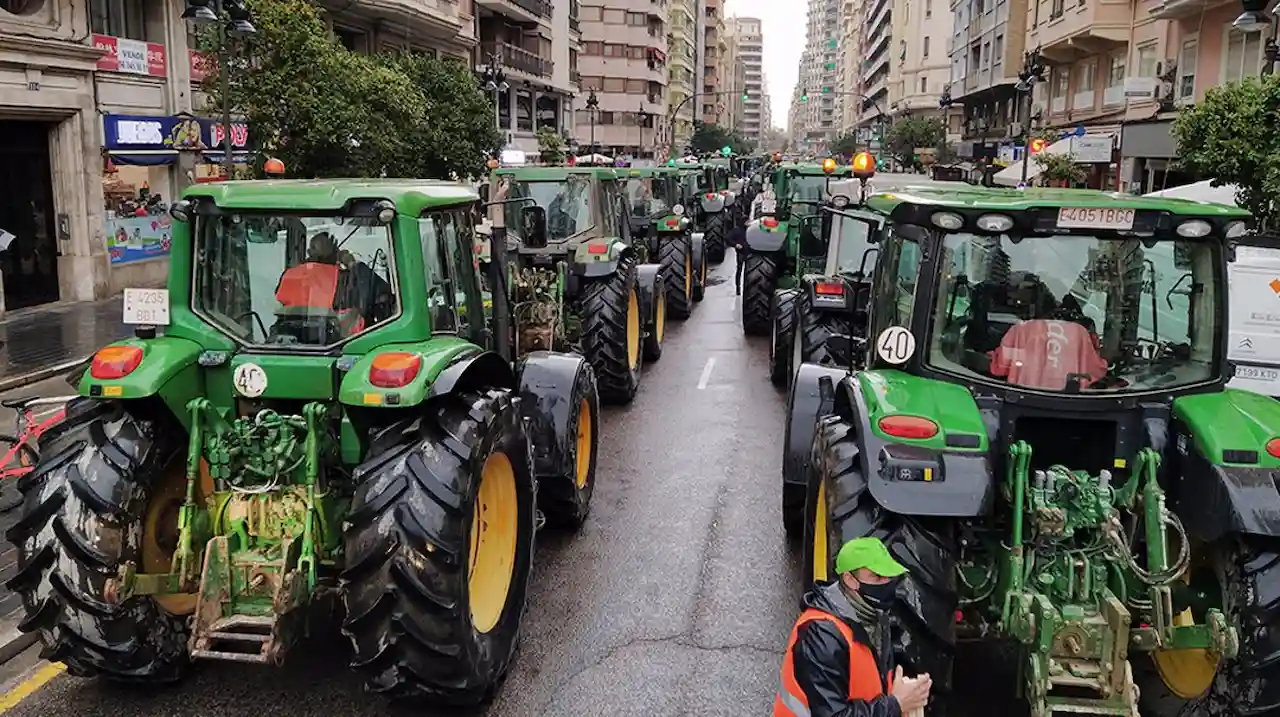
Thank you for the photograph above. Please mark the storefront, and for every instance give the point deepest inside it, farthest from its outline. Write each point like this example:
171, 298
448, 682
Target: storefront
1148, 149
143, 158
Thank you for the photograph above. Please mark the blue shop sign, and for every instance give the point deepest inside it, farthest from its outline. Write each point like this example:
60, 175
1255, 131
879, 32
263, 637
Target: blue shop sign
143, 140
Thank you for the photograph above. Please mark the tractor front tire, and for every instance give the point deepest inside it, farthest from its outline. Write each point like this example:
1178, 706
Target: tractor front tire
81, 519
813, 328
613, 332
656, 332
839, 507
759, 275
715, 238
676, 257
781, 336
439, 550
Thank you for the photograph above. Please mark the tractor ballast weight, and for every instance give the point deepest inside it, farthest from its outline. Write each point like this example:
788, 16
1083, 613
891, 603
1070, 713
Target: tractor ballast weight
280, 449
1054, 438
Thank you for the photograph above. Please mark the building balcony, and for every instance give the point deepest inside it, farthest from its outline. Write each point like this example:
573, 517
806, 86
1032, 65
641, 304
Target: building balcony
1078, 32
518, 59
532, 11
1182, 9
435, 19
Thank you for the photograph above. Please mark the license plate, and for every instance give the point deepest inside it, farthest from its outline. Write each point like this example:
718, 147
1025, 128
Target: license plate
146, 307
1257, 373
1095, 218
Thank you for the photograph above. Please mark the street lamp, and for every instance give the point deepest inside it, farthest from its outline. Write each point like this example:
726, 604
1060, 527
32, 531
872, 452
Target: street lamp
642, 117
1255, 19
235, 24
593, 103
1032, 72
494, 80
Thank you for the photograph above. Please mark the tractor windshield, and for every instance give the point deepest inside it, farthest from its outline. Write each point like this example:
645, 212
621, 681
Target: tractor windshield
1067, 313
807, 192
850, 245
646, 197
286, 279
567, 204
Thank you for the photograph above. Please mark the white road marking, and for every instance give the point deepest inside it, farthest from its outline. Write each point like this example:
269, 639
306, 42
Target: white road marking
706, 373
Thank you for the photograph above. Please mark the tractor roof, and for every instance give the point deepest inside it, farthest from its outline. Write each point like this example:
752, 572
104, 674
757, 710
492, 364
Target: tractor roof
688, 165
409, 195
809, 170
556, 174
647, 172
1014, 200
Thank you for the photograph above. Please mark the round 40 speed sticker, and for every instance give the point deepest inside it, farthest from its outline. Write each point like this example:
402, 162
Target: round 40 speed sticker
896, 344
250, 380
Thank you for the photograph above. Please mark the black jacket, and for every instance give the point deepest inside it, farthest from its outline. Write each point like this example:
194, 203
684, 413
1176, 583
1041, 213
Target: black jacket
821, 659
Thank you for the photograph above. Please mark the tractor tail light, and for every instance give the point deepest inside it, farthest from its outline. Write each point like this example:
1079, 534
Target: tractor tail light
770, 222
908, 427
1273, 447
597, 248
115, 362
394, 369
829, 288
673, 223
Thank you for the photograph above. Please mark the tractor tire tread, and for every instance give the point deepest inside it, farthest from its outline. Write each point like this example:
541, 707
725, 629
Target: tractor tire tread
759, 274
675, 255
605, 303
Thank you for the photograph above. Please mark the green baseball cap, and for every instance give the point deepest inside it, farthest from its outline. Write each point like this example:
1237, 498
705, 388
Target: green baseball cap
868, 553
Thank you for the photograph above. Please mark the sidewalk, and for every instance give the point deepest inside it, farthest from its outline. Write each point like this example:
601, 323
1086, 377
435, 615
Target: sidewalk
43, 341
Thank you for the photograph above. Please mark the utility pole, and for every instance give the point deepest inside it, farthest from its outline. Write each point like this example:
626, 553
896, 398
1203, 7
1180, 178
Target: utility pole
1032, 72
593, 104
235, 24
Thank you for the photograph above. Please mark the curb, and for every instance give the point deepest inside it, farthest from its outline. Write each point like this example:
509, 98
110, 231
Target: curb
12, 641
26, 379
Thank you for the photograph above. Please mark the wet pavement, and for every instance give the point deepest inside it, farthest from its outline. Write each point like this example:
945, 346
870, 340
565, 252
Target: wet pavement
33, 340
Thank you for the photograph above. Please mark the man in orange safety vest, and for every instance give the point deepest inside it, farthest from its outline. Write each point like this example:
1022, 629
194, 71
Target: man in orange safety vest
839, 660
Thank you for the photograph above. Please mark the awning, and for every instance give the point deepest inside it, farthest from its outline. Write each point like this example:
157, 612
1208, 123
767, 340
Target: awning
144, 158
1012, 175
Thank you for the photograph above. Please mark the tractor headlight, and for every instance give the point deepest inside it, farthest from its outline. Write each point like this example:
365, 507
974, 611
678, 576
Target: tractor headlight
839, 201
950, 221
1236, 229
995, 223
384, 211
1194, 229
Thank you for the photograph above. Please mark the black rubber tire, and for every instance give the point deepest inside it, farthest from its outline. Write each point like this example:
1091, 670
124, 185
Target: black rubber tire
924, 612
90, 490
407, 538
781, 336
563, 502
676, 257
700, 279
605, 303
652, 341
813, 328
715, 238
759, 276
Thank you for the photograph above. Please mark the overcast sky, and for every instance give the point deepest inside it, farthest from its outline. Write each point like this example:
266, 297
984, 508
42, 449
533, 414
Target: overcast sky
784, 23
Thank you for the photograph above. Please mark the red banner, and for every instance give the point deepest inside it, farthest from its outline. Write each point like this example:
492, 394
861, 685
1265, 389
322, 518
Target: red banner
202, 65
130, 56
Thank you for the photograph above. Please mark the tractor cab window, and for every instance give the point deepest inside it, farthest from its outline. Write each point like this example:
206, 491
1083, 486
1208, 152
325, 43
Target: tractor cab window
645, 196
453, 289
806, 193
896, 292
849, 246
282, 279
567, 204
1068, 313
689, 180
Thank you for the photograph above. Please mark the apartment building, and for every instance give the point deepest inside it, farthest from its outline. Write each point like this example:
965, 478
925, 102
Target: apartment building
537, 43
986, 50
712, 49
749, 43
818, 113
922, 70
877, 49
624, 66
683, 69
735, 77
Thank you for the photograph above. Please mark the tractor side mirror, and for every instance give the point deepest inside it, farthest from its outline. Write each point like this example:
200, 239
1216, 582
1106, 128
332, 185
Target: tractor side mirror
533, 225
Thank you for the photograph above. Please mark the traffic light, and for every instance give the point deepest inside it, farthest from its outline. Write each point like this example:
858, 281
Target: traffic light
744, 97
804, 97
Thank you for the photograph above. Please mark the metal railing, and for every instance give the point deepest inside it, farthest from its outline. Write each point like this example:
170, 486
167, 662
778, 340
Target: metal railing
518, 58
541, 8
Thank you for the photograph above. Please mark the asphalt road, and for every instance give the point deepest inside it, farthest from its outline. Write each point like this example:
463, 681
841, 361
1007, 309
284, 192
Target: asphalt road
675, 599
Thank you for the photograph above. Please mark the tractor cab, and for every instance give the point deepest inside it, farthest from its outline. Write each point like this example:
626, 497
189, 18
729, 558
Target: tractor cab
653, 196
552, 211
1043, 402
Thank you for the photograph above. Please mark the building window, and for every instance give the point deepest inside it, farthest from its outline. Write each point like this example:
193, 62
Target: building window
615, 17
524, 111
590, 13
1187, 58
999, 51
1056, 10
1243, 56
1147, 60
1088, 73
548, 111
118, 18
928, 9
504, 109
637, 19
924, 85
926, 45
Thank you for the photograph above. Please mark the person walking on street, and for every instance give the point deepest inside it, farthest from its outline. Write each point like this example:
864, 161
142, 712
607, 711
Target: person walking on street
839, 661
738, 240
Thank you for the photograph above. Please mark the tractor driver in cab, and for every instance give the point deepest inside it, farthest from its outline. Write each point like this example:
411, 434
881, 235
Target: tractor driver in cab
331, 279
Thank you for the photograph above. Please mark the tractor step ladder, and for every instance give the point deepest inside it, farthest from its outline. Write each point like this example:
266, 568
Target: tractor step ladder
238, 638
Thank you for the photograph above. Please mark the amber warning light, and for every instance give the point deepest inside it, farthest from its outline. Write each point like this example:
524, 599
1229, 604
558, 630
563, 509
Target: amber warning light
828, 165
864, 165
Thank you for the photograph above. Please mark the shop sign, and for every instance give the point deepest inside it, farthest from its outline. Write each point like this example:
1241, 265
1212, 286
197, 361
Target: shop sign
133, 57
131, 239
137, 133
1091, 149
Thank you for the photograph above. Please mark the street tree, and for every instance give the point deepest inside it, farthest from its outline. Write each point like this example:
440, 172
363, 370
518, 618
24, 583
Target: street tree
845, 146
460, 133
709, 138
551, 146
905, 135
1059, 168
1233, 137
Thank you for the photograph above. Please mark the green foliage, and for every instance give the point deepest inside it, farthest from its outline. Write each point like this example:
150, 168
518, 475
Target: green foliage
711, 138
1233, 137
905, 135
329, 112
846, 146
1059, 168
551, 146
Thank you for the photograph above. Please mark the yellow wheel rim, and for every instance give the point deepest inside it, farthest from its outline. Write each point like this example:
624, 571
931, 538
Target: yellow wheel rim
493, 543
584, 443
160, 529
660, 321
688, 276
1187, 673
633, 330
821, 560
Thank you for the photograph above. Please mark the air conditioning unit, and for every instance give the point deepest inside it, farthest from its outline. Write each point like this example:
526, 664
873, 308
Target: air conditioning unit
1014, 130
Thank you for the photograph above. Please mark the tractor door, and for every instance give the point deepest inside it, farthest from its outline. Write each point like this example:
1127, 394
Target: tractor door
896, 281
456, 302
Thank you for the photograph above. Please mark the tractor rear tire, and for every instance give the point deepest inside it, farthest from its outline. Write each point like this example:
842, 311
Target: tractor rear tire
839, 508
759, 275
813, 328
676, 257
613, 333
656, 331
81, 519
783, 333
439, 550
700, 267
715, 238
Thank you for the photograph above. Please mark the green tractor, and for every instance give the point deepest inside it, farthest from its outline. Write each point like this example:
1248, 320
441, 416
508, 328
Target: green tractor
660, 232
709, 184
578, 280
1043, 436
772, 259
329, 422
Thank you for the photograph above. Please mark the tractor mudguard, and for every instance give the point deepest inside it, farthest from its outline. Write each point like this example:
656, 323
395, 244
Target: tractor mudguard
920, 478
545, 381
736, 186
436, 354
595, 266
827, 299
645, 280
698, 244
813, 394
1225, 483
712, 203
473, 371
163, 359
762, 239
729, 198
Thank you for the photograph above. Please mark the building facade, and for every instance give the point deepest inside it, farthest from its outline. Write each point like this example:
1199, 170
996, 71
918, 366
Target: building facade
878, 50
683, 70
624, 67
714, 104
749, 58
922, 69
816, 106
